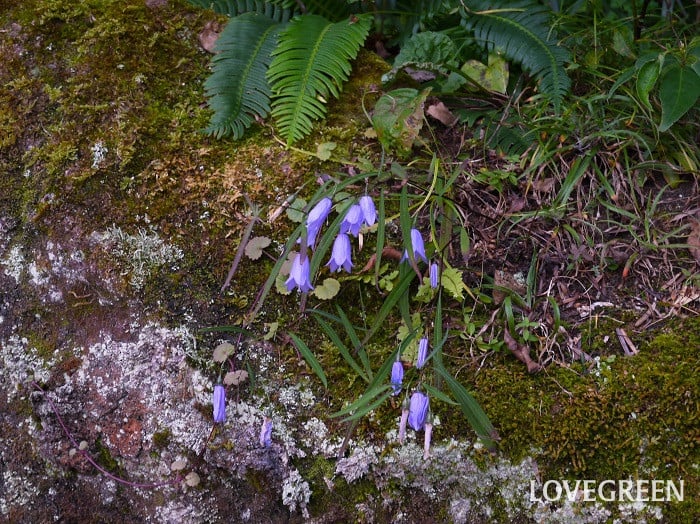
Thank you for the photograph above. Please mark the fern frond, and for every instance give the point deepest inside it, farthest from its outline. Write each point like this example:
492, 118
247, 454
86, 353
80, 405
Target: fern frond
237, 88
279, 10
311, 62
333, 10
520, 30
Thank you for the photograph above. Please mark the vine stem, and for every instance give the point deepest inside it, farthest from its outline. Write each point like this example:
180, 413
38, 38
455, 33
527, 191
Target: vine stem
150, 485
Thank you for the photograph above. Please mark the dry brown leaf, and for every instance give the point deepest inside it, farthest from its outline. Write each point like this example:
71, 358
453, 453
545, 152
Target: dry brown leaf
209, 36
506, 280
521, 352
440, 112
694, 241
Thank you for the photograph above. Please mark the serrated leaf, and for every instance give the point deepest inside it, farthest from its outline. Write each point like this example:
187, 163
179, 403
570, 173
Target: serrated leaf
310, 64
234, 378
451, 281
295, 211
327, 290
223, 351
254, 247
237, 90
325, 149
680, 89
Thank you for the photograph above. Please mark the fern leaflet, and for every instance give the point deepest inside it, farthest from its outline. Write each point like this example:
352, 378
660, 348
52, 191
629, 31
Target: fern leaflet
237, 88
279, 10
311, 63
520, 31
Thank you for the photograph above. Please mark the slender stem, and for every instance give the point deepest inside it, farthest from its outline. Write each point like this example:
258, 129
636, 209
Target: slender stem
87, 456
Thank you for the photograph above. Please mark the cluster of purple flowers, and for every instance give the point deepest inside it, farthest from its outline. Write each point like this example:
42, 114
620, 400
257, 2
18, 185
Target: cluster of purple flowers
357, 215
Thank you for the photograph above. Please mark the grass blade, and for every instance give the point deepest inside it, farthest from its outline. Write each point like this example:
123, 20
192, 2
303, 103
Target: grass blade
309, 357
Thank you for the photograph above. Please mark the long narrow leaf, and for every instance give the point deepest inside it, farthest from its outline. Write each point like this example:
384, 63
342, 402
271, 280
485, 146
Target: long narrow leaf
310, 358
355, 340
342, 348
471, 409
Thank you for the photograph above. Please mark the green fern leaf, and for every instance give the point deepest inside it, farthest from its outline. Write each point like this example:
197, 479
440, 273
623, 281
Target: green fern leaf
311, 62
237, 88
520, 30
279, 10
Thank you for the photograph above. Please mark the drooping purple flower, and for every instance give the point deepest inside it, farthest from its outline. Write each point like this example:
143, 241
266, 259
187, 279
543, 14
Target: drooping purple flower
422, 353
219, 402
417, 245
403, 422
299, 274
341, 257
426, 440
352, 221
369, 212
397, 376
418, 410
315, 219
266, 432
434, 275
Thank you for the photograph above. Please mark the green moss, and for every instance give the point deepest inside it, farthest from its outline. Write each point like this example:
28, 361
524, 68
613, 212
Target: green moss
161, 438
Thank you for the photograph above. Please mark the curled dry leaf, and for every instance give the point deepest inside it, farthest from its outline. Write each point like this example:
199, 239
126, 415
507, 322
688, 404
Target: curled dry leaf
440, 113
234, 378
521, 352
223, 351
209, 36
192, 479
178, 465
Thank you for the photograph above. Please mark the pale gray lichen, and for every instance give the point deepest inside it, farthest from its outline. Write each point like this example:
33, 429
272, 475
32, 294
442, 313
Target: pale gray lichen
358, 464
296, 492
141, 253
14, 263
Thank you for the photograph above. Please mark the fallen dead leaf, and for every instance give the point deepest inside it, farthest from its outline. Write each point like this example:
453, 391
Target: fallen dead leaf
209, 36
521, 352
694, 241
440, 112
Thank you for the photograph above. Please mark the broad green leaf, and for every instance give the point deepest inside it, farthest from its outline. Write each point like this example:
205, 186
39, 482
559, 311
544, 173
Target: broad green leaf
694, 55
327, 290
492, 77
296, 212
309, 357
398, 119
325, 149
434, 50
680, 89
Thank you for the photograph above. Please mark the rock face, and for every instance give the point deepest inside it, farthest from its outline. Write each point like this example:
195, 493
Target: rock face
118, 223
